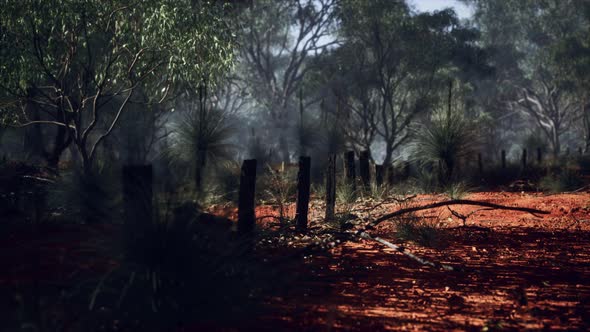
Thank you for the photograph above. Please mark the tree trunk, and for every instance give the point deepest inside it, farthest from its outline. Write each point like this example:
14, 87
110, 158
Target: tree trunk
247, 194
303, 187
199, 168
379, 170
331, 187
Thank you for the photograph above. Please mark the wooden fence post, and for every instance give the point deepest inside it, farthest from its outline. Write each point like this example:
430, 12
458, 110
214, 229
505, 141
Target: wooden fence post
379, 170
303, 186
503, 159
349, 168
523, 158
137, 198
407, 170
390, 175
331, 188
364, 169
539, 156
247, 194
479, 164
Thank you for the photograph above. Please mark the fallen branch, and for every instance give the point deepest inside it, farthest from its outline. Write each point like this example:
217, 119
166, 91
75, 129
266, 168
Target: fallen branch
422, 261
455, 202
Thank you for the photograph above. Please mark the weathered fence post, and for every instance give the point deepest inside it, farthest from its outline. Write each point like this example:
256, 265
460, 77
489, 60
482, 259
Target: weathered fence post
407, 170
503, 159
364, 169
479, 164
331, 187
379, 170
247, 194
539, 156
349, 168
137, 198
523, 158
390, 175
303, 186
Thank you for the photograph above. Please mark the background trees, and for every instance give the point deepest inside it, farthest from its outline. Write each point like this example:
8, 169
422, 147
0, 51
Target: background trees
278, 39
531, 80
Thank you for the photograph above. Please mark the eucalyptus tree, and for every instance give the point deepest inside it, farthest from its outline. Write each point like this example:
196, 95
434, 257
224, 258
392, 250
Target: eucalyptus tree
278, 39
77, 64
526, 35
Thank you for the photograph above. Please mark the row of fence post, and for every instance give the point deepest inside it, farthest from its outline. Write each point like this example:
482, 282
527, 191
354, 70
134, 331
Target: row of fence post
137, 186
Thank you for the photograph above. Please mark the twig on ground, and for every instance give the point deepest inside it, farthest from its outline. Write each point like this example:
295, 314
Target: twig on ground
402, 250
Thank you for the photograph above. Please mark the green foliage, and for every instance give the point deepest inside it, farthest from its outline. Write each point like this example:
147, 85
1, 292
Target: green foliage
101, 55
186, 40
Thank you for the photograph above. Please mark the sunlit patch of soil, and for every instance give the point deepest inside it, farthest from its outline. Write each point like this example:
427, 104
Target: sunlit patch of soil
515, 271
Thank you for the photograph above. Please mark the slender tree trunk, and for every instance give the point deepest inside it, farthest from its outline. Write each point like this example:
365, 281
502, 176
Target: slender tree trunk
349, 168
201, 159
284, 148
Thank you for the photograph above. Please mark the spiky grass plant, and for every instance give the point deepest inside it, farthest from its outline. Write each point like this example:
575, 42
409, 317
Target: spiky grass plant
201, 138
443, 142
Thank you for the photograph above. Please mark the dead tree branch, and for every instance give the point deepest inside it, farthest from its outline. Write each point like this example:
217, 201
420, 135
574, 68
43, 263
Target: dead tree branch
455, 202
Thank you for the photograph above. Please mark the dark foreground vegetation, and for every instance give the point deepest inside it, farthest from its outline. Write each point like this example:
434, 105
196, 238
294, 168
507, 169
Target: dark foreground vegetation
294, 165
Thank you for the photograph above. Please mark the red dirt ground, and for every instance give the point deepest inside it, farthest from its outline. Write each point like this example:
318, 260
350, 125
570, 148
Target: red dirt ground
519, 272
516, 271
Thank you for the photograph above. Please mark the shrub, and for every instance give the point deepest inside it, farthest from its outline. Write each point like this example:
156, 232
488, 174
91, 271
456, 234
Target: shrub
279, 188
567, 180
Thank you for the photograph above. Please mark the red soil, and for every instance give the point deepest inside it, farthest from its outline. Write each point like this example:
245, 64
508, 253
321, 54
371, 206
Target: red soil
518, 272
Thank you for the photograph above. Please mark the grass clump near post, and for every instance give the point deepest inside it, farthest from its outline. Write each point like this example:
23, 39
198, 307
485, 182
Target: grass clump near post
280, 191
